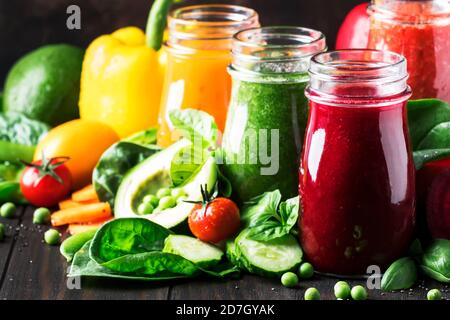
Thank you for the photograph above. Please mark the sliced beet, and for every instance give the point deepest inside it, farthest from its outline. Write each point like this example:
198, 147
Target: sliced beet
438, 206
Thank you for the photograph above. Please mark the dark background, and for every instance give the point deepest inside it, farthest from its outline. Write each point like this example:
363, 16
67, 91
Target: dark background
27, 24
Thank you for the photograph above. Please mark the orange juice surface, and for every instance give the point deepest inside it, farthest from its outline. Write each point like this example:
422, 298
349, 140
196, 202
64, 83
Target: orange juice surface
198, 80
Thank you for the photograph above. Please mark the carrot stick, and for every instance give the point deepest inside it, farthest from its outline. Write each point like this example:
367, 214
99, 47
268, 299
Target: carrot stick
86, 194
69, 203
76, 228
85, 213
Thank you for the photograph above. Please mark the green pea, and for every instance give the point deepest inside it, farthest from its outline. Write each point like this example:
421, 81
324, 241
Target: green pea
289, 279
176, 193
52, 237
7, 210
2, 231
163, 192
434, 294
167, 202
342, 290
145, 208
306, 270
359, 293
152, 199
41, 216
312, 294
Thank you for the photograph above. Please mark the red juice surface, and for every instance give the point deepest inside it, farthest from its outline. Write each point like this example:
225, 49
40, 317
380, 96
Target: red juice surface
356, 187
426, 47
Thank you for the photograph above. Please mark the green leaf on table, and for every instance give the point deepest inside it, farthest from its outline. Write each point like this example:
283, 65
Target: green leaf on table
195, 125
429, 127
83, 266
19, 137
125, 236
401, 274
435, 261
118, 159
260, 209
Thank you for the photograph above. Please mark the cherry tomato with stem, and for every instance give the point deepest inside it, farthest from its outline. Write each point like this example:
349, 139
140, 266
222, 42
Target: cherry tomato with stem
46, 182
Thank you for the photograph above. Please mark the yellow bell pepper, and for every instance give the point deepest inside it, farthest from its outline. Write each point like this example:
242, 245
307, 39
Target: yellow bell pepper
122, 75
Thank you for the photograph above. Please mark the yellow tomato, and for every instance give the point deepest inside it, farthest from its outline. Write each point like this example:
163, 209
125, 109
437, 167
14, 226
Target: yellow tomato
83, 141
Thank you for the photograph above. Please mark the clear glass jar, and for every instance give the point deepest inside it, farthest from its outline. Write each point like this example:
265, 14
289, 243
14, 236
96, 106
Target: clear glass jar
198, 54
419, 30
356, 170
268, 109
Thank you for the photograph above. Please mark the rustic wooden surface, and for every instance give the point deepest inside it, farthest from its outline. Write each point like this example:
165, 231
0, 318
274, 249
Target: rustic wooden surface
31, 269
28, 24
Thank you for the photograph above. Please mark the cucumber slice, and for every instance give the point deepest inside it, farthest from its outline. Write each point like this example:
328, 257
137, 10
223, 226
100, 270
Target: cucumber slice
202, 254
269, 258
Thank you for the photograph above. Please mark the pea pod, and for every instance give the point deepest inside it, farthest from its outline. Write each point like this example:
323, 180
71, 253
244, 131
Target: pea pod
71, 245
402, 274
435, 261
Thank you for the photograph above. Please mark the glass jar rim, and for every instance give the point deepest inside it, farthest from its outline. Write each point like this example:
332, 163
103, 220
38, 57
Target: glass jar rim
275, 53
229, 17
432, 11
383, 65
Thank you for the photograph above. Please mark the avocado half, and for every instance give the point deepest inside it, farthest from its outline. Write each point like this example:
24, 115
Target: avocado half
151, 175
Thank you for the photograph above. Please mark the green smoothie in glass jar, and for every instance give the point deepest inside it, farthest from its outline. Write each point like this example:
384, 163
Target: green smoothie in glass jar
268, 110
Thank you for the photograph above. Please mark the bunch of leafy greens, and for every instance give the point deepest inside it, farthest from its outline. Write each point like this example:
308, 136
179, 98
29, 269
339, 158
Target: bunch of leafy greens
268, 218
19, 137
132, 248
429, 127
118, 159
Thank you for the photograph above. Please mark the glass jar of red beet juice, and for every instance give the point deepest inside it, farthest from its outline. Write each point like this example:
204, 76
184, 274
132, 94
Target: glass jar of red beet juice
419, 30
356, 171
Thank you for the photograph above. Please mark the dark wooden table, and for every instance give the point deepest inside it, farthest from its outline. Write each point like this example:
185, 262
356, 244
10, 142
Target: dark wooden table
31, 269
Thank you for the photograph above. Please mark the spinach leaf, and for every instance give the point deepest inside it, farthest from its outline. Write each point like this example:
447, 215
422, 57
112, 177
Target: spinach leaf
195, 125
125, 236
9, 182
153, 263
401, 274
83, 265
429, 127
118, 159
267, 218
19, 136
435, 261
186, 163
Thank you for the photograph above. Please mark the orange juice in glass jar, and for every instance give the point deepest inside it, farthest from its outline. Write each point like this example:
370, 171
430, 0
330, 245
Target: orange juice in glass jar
198, 54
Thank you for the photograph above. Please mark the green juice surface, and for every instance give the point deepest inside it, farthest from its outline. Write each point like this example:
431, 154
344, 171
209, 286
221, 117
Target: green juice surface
262, 105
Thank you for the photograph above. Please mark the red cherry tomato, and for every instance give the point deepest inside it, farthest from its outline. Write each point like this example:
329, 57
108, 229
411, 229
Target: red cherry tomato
46, 182
354, 31
214, 221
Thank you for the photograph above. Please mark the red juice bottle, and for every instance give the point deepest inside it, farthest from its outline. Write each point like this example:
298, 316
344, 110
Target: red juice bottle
356, 171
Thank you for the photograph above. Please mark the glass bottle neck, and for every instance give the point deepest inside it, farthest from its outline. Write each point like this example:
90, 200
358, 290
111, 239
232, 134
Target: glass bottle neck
272, 54
208, 27
358, 76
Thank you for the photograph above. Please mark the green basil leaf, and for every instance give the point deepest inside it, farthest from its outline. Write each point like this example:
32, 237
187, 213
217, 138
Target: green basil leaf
125, 236
152, 263
423, 116
195, 125
19, 136
421, 157
260, 209
437, 138
289, 210
267, 231
435, 261
402, 274
186, 163
118, 159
